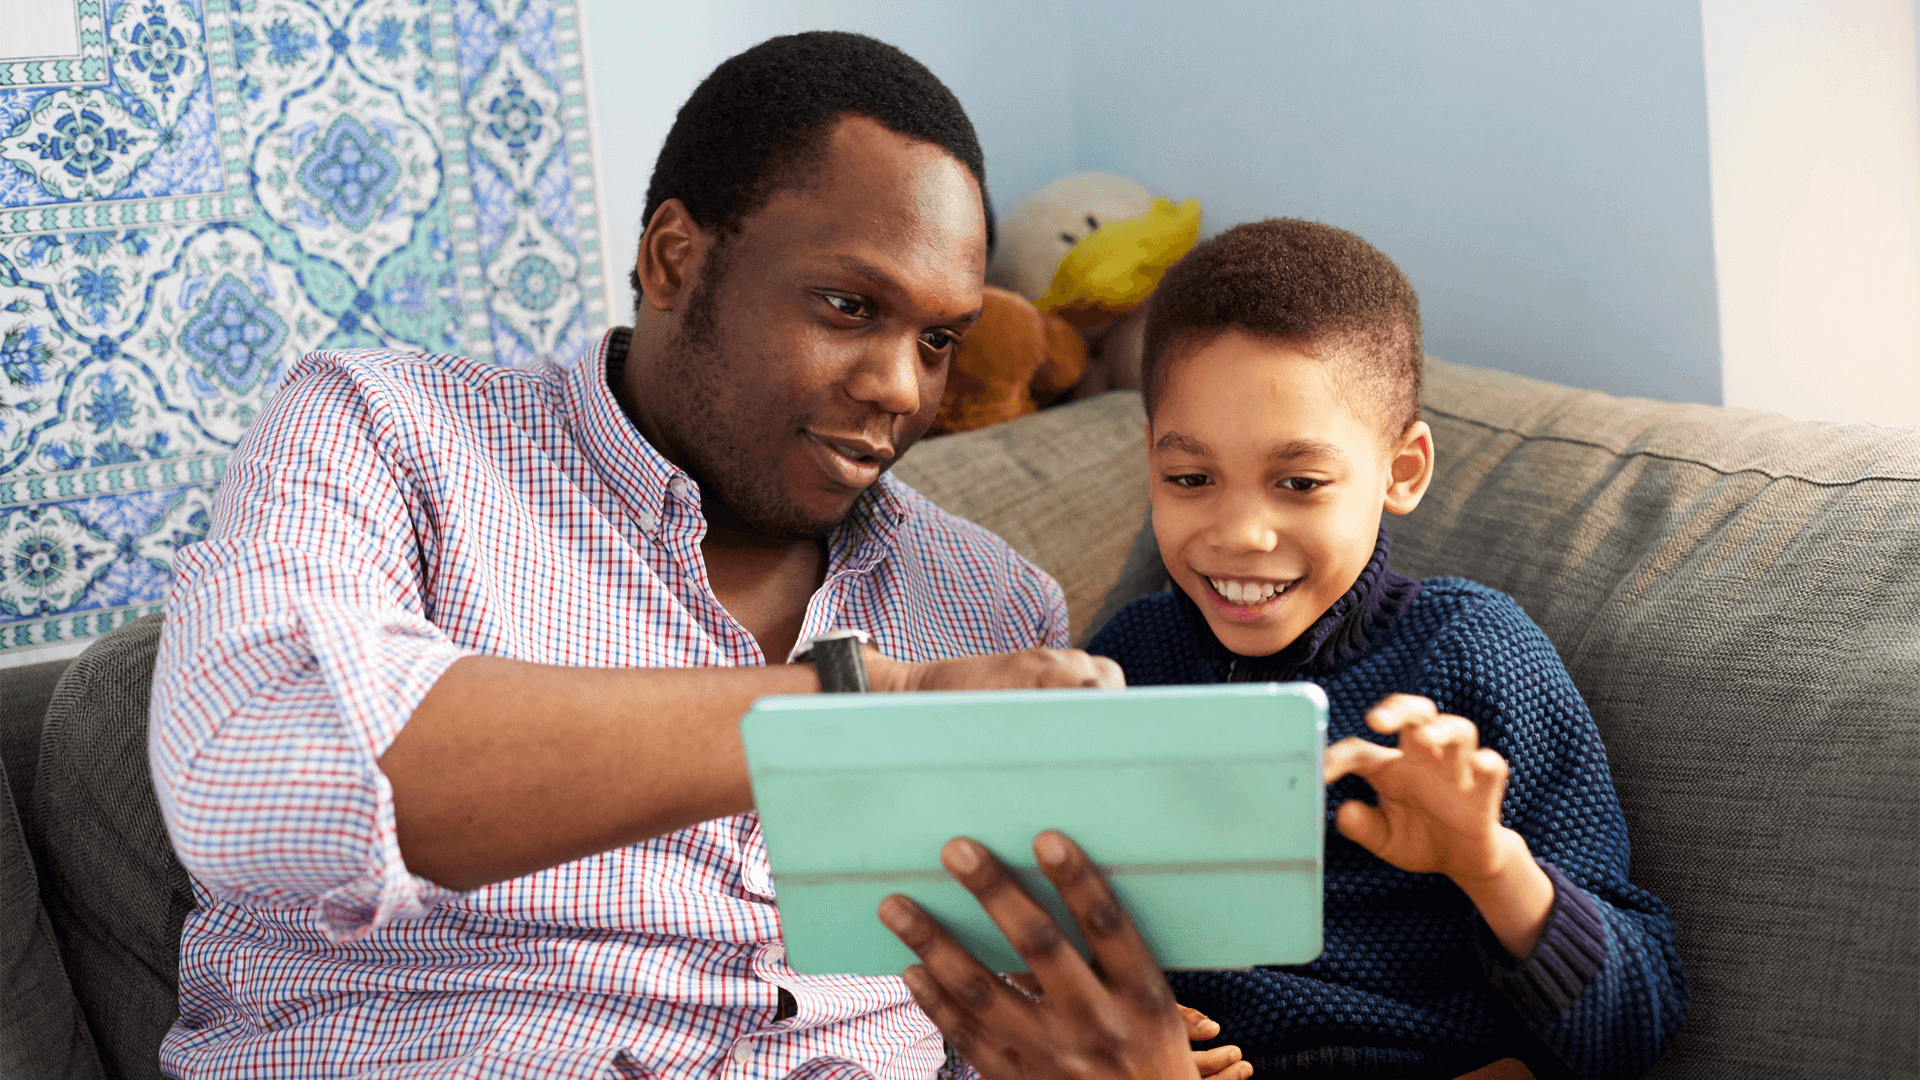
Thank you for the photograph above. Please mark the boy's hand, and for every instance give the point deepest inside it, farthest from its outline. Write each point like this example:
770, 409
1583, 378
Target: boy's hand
1219, 1063
1439, 813
1440, 792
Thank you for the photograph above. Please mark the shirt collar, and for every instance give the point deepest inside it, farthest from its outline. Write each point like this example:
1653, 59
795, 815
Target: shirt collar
643, 478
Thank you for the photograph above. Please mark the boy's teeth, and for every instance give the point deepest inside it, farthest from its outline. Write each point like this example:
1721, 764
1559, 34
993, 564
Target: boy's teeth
1245, 592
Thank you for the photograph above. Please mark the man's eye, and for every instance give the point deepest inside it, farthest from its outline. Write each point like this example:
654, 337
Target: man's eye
847, 305
1301, 483
940, 340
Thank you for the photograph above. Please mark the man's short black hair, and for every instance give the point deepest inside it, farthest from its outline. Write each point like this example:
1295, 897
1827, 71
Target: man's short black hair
1301, 283
759, 123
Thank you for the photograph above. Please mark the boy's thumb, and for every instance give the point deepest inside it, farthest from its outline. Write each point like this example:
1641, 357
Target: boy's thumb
1364, 825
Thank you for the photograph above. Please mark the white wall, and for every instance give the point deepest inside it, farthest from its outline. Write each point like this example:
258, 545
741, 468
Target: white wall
1816, 205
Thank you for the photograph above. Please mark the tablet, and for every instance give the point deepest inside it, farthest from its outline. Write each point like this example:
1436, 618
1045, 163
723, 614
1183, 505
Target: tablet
1203, 804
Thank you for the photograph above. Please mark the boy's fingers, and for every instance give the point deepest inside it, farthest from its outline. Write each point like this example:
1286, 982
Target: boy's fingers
1364, 825
1355, 755
1200, 1026
1127, 968
1396, 711
1051, 958
1217, 1061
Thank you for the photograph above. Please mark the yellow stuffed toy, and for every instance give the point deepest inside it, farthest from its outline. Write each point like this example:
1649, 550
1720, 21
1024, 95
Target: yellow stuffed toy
1073, 267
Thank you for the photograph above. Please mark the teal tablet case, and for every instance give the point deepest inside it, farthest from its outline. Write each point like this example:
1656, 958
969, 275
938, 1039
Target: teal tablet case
1203, 804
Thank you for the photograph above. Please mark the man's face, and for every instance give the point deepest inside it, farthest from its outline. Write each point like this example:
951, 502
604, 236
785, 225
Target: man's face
813, 350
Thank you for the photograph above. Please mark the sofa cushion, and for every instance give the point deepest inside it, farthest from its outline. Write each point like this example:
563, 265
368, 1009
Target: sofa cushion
115, 892
1736, 594
1067, 487
42, 1033
24, 693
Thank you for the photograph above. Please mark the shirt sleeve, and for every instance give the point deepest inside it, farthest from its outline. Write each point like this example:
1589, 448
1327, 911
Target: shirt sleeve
1603, 988
297, 644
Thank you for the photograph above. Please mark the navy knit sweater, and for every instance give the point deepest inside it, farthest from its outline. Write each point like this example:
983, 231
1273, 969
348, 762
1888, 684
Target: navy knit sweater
1412, 983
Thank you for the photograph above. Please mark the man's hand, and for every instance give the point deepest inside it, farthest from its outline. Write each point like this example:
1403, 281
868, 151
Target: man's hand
1219, 1063
1439, 813
1114, 1021
1029, 669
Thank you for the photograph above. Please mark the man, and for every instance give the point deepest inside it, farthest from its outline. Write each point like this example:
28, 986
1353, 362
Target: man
445, 715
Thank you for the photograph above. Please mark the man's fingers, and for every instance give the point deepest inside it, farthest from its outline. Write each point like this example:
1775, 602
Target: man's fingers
1356, 755
1107, 674
959, 1027
1076, 668
1126, 965
1051, 958
1222, 1063
1364, 825
975, 990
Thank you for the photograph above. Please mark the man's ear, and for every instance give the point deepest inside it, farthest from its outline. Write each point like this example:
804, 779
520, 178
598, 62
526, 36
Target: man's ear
671, 250
1409, 468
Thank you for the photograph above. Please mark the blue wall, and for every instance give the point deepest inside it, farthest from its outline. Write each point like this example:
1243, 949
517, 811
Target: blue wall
1539, 170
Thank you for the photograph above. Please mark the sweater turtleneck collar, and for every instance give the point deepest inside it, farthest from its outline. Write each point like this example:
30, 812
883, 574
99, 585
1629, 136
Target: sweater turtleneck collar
1346, 631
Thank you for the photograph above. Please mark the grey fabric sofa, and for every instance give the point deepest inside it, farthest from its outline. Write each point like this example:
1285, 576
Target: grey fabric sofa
1737, 595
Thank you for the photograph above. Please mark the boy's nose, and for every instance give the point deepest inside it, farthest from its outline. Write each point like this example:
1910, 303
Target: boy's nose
1245, 528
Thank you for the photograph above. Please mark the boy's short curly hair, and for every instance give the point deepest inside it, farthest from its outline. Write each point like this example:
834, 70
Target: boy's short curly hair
759, 124
1302, 283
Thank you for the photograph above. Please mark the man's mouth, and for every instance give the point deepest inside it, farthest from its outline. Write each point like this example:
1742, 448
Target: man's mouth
1249, 592
853, 462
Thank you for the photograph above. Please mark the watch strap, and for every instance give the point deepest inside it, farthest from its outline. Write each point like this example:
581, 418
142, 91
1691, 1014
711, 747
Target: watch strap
836, 655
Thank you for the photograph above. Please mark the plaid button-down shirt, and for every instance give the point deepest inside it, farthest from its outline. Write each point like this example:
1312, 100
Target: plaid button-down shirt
388, 514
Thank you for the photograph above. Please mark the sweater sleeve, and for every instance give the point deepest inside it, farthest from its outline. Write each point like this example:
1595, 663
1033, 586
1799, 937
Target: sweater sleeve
1603, 988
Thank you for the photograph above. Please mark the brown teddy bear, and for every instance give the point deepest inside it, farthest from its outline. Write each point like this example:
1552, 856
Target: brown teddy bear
1066, 286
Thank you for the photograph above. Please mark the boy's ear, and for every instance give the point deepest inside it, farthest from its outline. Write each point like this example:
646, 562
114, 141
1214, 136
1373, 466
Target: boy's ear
1409, 468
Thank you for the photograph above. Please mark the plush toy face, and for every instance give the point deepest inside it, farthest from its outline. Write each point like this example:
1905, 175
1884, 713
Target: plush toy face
1038, 233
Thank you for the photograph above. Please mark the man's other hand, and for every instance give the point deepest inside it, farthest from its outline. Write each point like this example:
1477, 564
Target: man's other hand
1029, 669
1115, 1020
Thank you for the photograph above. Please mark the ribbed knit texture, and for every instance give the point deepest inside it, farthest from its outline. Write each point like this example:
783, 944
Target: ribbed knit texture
1412, 983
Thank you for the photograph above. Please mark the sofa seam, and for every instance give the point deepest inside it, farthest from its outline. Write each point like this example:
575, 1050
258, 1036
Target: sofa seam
1721, 470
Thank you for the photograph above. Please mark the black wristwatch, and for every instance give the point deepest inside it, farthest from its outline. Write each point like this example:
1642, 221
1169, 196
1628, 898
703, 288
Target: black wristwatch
837, 654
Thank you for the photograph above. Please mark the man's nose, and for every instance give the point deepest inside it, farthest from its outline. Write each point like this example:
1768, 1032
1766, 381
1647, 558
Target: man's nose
888, 378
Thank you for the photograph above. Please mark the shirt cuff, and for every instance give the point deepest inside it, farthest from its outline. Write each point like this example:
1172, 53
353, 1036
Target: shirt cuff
1570, 952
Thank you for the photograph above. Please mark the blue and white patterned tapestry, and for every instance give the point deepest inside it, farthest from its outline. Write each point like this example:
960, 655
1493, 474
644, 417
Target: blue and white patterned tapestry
211, 188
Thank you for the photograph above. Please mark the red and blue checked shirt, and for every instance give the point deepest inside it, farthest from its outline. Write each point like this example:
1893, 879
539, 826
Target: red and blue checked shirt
387, 515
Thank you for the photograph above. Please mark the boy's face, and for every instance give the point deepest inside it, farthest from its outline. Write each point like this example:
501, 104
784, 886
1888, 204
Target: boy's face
1267, 485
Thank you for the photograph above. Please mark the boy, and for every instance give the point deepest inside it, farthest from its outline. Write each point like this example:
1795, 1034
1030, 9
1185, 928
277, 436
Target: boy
1477, 903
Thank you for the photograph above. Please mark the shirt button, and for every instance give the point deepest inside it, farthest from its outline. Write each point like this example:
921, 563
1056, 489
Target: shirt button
742, 1052
678, 485
647, 522
775, 954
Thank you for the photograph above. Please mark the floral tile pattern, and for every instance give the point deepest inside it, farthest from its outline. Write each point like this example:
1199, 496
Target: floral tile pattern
219, 186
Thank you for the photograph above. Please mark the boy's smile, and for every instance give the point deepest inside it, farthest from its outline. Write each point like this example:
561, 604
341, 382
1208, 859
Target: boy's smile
1268, 473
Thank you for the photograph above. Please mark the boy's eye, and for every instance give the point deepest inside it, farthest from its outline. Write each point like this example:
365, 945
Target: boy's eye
1301, 483
1188, 480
